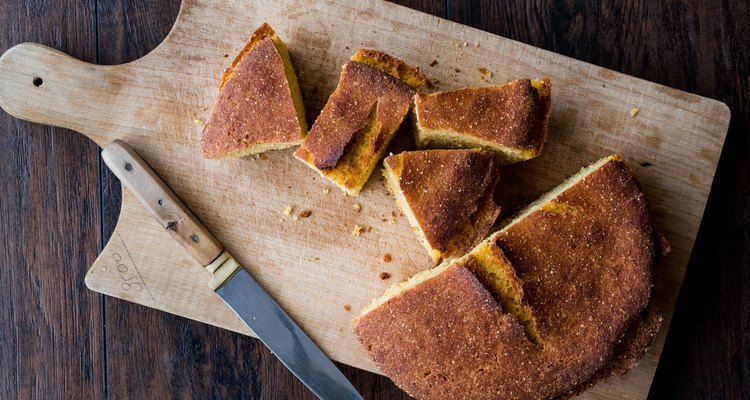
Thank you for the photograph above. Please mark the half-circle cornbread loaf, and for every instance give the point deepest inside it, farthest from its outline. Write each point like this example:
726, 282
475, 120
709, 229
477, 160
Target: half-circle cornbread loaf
259, 105
447, 196
572, 273
510, 119
348, 139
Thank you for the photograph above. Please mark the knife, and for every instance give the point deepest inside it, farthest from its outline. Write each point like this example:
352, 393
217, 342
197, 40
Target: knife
230, 281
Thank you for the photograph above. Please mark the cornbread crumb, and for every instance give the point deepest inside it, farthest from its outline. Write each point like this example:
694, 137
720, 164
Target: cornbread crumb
393, 221
198, 121
357, 230
347, 307
357, 207
465, 44
288, 210
387, 257
326, 190
485, 73
305, 214
385, 275
634, 111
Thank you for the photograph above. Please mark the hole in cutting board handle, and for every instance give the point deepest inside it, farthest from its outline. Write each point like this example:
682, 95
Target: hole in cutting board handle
37, 81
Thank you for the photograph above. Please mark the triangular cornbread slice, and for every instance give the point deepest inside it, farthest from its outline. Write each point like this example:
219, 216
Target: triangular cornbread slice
571, 277
447, 195
259, 105
350, 136
510, 119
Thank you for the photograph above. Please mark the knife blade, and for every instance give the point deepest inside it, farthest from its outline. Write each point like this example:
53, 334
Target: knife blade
230, 281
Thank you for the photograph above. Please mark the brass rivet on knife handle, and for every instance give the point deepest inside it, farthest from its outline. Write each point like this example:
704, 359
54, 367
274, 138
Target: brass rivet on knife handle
161, 202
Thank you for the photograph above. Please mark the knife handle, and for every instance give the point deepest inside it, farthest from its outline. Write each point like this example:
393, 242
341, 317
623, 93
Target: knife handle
162, 202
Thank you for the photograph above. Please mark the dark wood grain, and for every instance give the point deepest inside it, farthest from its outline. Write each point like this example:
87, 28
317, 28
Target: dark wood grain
51, 338
58, 205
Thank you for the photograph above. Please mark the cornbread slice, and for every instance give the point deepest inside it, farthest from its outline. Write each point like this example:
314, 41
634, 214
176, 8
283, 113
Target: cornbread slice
572, 273
510, 120
259, 105
441, 335
447, 195
351, 134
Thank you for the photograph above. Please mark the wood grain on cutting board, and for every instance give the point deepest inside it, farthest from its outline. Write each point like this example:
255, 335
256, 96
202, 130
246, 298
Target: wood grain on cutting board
314, 266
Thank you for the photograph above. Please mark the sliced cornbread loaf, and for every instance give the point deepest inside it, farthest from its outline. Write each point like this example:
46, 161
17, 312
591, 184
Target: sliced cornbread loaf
510, 120
259, 105
348, 139
570, 277
447, 195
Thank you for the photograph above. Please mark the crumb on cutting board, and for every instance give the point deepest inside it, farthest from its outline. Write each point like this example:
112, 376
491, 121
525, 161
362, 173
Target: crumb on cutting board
387, 257
347, 307
198, 121
434, 63
357, 230
357, 207
305, 214
288, 210
634, 111
385, 275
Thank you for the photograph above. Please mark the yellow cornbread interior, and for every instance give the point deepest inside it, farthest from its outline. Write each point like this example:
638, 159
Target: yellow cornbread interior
445, 138
405, 75
498, 275
359, 160
449, 139
392, 182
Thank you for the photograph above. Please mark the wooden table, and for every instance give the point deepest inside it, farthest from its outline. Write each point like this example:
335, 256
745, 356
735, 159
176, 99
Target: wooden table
59, 204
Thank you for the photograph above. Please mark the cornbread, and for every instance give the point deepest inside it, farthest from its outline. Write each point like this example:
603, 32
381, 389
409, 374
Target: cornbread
259, 105
510, 119
373, 96
544, 308
447, 195
443, 336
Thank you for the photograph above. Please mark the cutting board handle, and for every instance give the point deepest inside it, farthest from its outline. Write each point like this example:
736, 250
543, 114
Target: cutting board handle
43, 85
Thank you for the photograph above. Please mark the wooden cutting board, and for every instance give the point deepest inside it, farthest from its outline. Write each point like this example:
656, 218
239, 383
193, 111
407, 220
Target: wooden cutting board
315, 267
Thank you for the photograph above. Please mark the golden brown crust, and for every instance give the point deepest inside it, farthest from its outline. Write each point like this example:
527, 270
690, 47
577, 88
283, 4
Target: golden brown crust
398, 69
511, 117
356, 124
585, 261
261, 33
254, 105
442, 338
631, 348
450, 195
